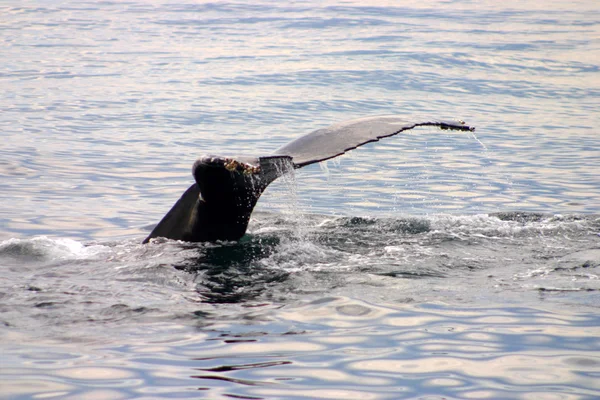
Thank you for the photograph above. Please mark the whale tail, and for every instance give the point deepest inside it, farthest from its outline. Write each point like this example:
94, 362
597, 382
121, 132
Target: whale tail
218, 206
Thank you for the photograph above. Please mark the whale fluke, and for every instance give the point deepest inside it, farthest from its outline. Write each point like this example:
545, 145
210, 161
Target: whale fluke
218, 206
335, 140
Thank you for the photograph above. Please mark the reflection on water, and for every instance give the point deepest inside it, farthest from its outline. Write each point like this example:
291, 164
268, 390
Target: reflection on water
232, 272
327, 348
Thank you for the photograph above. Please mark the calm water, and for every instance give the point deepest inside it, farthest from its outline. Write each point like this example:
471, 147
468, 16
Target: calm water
433, 265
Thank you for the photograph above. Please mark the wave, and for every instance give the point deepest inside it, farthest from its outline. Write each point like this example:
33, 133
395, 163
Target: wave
42, 249
284, 256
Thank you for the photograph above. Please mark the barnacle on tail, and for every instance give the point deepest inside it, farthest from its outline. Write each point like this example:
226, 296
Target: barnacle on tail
233, 165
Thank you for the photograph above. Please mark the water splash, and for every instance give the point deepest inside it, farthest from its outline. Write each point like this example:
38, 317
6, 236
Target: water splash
292, 210
43, 249
478, 141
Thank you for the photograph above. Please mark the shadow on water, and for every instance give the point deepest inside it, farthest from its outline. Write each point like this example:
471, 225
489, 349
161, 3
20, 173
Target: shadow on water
236, 272
231, 272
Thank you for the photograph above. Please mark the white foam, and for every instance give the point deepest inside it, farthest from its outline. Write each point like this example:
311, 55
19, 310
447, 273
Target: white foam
491, 226
43, 248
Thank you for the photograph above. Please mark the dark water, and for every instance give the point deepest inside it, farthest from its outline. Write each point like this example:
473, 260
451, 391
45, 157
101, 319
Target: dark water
433, 265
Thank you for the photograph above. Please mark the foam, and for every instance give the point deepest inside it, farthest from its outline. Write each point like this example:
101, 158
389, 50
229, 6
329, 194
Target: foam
43, 248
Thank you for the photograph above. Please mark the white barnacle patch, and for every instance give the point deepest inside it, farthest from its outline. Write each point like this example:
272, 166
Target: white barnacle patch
231, 165
251, 169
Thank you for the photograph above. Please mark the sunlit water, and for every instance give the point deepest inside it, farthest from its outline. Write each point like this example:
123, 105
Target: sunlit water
431, 265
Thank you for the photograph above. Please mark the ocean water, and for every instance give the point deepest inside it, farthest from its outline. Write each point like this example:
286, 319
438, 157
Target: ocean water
431, 265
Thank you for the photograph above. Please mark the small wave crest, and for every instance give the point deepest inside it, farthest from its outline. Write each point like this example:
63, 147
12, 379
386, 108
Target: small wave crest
511, 225
508, 225
44, 249
301, 254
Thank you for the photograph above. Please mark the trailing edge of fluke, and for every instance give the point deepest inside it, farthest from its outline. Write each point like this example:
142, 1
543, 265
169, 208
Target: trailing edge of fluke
218, 206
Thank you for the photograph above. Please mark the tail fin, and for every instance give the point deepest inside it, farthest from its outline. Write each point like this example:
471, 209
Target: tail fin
218, 206
337, 139
178, 222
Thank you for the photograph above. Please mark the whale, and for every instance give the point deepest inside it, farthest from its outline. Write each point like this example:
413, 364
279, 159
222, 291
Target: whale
218, 206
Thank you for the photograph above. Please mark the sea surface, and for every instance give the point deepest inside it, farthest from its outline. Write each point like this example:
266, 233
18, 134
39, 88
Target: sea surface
431, 265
